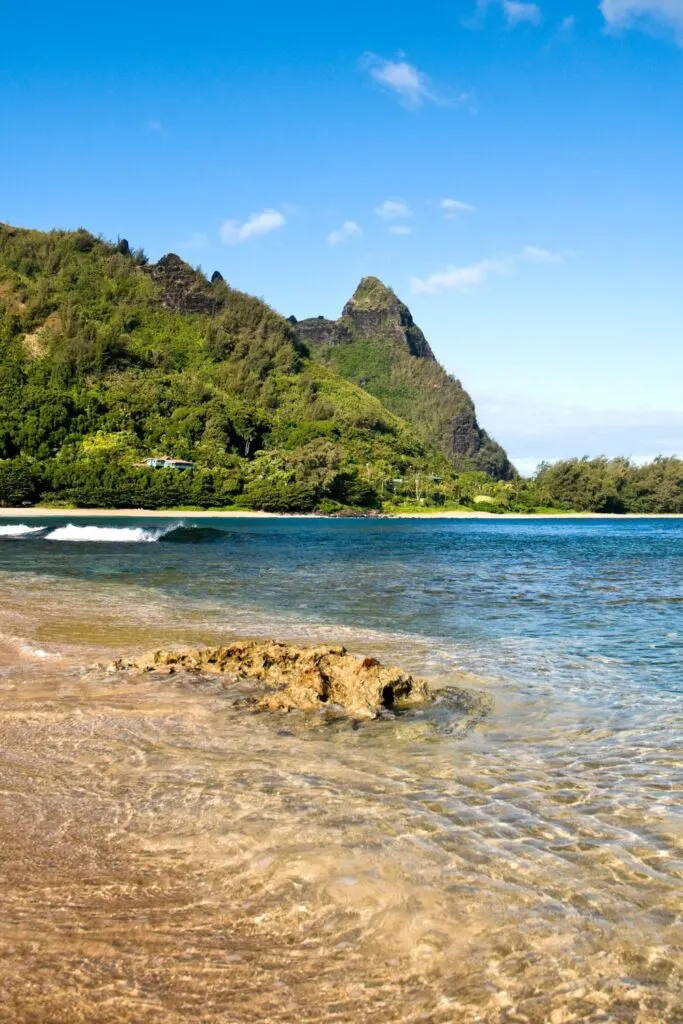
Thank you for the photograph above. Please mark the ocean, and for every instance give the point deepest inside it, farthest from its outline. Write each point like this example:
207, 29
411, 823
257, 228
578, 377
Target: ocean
166, 856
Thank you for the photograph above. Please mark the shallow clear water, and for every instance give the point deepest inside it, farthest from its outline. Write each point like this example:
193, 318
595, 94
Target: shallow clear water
167, 858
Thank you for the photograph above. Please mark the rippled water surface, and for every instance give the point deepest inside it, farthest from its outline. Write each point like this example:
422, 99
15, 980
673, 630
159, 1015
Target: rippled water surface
165, 856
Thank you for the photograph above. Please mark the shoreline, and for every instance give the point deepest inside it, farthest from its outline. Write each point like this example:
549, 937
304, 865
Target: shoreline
35, 512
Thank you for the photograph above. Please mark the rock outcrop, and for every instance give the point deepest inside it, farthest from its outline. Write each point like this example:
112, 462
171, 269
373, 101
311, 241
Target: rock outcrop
377, 345
182, 288
303, 678
375, 309
319, 331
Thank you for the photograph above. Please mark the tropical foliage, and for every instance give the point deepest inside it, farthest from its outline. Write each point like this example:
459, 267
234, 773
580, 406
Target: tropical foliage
106, 360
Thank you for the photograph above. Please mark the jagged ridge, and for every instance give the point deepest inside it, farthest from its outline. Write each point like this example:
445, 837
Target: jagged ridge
377, 344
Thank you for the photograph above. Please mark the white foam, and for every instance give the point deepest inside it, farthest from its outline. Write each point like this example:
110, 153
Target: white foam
30, 651
19, 530
106, 534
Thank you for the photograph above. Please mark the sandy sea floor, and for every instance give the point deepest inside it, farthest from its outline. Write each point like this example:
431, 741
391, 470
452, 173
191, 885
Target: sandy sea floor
167, 857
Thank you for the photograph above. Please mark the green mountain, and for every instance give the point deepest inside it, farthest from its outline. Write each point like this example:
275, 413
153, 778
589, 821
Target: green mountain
106, 360
377, 345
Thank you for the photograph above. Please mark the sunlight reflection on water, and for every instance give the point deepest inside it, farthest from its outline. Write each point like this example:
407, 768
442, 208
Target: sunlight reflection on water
168, 857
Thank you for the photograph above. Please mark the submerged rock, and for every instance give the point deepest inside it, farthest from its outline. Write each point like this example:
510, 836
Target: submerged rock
305, 678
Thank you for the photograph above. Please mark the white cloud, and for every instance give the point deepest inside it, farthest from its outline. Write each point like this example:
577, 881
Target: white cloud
408, 82
567, 25
263, 223
630, 13
517, 13
197, 240
461, 279
349, 229
465, 279
452, 207
412, 86
156, 127
400, 229
392, 209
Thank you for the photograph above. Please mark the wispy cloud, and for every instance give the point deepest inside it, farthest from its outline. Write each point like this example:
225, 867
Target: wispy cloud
566, 26
232, 232
393, 209
517, 13
532, 254
536, 429
348, 230
641, 13
412, 86
467, 278
461, 279
197, 240
452, 207
156, 128
401, 229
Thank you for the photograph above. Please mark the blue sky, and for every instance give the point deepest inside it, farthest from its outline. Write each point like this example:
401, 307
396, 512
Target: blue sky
512, 170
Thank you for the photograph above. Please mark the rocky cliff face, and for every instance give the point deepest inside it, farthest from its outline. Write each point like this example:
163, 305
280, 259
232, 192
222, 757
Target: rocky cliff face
375, 310
377, 344
183, 288
319, 331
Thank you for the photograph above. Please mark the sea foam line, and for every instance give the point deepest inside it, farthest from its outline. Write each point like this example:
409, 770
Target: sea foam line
108, 534
19, 530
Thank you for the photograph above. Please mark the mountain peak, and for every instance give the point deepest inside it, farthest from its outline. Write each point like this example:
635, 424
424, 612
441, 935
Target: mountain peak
377, 345
372, 293
375, 310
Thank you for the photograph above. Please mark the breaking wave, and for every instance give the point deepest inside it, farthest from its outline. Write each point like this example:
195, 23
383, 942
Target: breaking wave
106, 534
17, 530
178, 533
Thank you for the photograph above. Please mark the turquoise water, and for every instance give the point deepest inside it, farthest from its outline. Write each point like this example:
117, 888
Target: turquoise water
595, 606
526, 867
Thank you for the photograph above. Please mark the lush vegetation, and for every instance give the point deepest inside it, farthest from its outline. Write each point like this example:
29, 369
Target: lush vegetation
419, 391
377, 345
105, 360
614, 486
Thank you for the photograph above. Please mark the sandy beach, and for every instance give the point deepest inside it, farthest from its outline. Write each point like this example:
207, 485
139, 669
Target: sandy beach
36, 512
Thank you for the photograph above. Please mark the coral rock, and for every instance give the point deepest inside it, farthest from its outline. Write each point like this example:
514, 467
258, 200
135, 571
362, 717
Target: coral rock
306, 678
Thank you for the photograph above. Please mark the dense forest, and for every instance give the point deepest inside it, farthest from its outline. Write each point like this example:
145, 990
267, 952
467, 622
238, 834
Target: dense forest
612, 485
615, 486
107, 360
